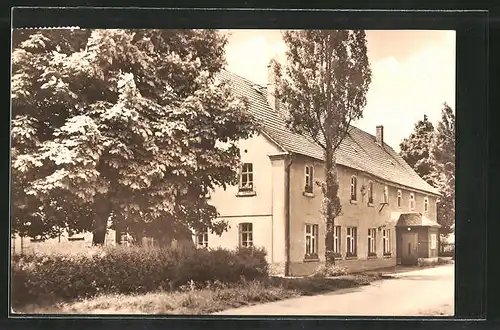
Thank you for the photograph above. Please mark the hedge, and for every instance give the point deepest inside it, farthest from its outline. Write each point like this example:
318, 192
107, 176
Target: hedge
129, 270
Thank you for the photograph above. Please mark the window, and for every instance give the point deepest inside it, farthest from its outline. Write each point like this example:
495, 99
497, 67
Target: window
72, 236
386, 195
336, 240
412, 201
246, 235
433, 241
386, 234
76, 238
351, 241
311, 241
202, 239
354, 188
309, 179
400, 198
246, 177
124, 238
372, 242
426, 204
370, 192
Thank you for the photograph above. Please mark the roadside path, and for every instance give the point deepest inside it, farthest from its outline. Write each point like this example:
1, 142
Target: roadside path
422, 292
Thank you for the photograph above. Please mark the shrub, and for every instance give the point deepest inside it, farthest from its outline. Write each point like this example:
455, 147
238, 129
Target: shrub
314, 285
329, 271
125, 270
443, 261
433, 262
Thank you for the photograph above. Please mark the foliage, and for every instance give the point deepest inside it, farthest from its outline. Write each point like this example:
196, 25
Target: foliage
439, 261
315, 285
120, 270
121, 124
323, 88
214, 297
443, 156
329, 271
431, 153
416, 149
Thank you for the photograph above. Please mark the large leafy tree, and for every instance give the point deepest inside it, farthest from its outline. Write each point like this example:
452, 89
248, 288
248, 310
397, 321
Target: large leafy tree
121, 125
323, 87
443, 156
431, 153
416, 149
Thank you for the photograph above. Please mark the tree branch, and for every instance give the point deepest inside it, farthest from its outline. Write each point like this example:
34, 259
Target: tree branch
343, 134
316, 140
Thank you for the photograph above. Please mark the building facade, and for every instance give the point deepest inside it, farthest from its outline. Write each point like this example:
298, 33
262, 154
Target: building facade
277, 204
388, 212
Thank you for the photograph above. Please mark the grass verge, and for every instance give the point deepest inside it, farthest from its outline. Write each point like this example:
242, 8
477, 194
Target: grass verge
203, 301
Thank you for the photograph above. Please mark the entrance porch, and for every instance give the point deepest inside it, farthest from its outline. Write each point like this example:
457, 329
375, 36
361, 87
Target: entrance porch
417, 239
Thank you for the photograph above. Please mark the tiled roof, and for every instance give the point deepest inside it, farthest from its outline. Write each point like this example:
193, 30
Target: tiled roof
359, 149
415, 219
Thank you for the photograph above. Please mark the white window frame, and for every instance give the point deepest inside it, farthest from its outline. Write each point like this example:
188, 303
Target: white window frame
370, 192
412, 201
400, 198
336, 239
352, 241
372, 241
246, 234
309, 177
247, 173
202, 239
311, 240
426, 204
354, 188
386, 237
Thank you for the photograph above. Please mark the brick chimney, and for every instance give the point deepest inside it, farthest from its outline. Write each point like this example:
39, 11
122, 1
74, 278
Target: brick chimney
271, 87
380, 135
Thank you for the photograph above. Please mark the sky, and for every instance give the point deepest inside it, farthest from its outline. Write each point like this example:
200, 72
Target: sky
413, 73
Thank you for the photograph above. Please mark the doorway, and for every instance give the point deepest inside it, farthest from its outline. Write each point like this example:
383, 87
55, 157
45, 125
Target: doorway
409, 248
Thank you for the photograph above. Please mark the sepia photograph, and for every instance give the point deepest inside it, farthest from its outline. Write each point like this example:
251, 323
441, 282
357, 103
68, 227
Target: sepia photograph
232, 172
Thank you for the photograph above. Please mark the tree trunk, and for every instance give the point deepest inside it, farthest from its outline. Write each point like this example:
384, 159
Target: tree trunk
331, 205
102, 211
98, 236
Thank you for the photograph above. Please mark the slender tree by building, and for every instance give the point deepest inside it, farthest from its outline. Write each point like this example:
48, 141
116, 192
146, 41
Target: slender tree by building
323, 88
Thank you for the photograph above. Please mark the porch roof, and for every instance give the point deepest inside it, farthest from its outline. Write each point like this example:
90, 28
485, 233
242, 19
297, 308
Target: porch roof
415, 220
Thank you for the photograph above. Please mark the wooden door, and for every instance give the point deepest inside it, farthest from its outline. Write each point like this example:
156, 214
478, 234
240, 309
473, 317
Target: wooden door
409, 246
